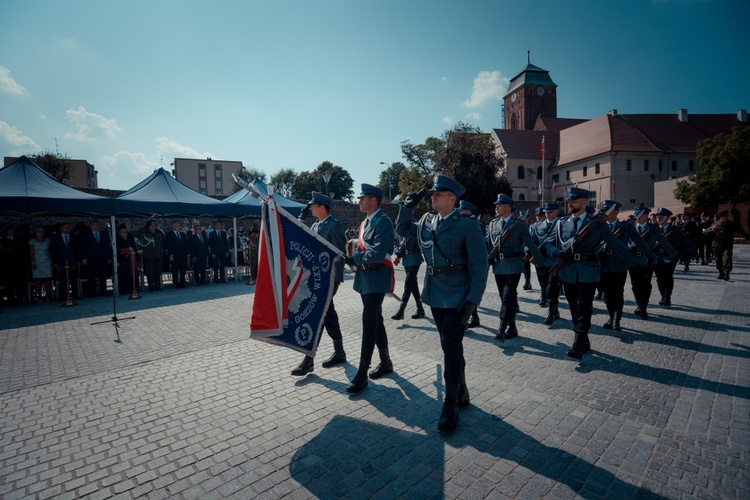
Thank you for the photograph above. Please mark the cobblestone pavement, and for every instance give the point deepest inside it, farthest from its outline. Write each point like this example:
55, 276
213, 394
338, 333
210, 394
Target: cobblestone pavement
188, 406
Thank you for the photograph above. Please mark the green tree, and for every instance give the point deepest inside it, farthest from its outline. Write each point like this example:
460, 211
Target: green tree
470, 159
247, 175
283, 181
339, 184
55, 164
724, 176
423, 157
389, 179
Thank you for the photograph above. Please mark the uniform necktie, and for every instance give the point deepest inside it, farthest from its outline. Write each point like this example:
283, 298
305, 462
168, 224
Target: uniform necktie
96, 236
640, 229
502, 225
65, 239
575, 224
200, 238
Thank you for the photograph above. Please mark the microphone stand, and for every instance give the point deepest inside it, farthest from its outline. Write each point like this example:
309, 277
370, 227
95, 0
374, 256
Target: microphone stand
115, 320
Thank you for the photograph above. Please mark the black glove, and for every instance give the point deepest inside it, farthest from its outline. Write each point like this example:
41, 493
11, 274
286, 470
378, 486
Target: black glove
466, 310
305, 212
412, 198
350, 262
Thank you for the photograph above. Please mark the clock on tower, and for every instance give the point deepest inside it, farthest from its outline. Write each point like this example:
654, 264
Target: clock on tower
531, 93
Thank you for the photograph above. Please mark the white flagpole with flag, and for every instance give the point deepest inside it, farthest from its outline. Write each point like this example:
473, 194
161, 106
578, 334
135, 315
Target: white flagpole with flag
543, 182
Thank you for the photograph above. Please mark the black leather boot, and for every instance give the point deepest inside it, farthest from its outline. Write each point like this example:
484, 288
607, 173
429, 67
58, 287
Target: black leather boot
667, 301
608, 324
400, 313
338, 357
449, 416
552, 315
420, 311
359, 382
584, 345
384, 367
512, 330
500, 336
616, 327
463, 392
307, 366
575, 351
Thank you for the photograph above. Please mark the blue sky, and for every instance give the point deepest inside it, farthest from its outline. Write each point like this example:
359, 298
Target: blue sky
290, 84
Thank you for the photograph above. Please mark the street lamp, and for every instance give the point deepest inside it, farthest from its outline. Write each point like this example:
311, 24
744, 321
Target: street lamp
327, 177
390, 183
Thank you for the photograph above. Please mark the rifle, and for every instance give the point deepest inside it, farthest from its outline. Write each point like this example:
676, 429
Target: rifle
504, 237
580, 237
627, 224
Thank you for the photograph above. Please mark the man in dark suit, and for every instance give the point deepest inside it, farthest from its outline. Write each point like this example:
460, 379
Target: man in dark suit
218, 246
176, 244
66, 260
330, 229
199, 254
96, 255
373, 279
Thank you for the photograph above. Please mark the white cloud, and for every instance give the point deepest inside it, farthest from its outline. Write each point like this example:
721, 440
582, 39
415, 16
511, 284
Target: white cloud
8, 84
489, 87
447, 120
125, 162
15, 137
472, 117
90, 126
444, 79
169, 148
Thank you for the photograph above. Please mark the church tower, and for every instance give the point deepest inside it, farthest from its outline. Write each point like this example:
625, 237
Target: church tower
530, 93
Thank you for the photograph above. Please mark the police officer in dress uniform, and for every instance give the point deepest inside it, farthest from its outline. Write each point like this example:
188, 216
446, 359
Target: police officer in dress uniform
706, 238
468, 209
666, 264
580, 267
456, 277
408, 254
373, 279
650, 233
549, 284
330, 229
614, 267
506, 259
722, 241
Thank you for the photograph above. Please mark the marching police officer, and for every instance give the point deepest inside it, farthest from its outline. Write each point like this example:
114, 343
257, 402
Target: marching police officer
456, 277
549, 284
373, 279
506, 237
409, 255
614, 267
330, 229
575, 240
666, 264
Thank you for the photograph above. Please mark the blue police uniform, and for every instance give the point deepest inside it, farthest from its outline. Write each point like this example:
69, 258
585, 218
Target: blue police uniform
580, 269
666, 263
454, 284
411, 258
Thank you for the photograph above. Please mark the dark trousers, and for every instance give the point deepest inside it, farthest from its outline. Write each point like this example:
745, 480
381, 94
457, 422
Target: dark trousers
665, 278
723, 259
220, 269
331, 321
199, 271
641, 285
179, 266
527, 270
373, 329
553, 289
542, 274
580, 298
96, 273
507, 287
451, 331
614, 291
411, 285
152, 269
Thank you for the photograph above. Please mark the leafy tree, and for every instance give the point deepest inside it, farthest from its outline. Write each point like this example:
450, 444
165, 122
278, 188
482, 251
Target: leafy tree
389, 179
247, 175
283, 181
57, 165
470, 159
339, 185
724, 176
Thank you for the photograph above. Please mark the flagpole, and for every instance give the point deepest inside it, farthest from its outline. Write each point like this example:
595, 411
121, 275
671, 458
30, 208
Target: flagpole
544, 176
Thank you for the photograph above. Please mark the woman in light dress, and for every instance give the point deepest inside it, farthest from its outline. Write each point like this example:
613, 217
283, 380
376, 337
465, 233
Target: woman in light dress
41, 264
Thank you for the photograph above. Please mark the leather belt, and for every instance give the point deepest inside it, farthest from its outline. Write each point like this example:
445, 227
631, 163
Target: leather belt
608, 251
432, 271
584, 256
367, 267
508, 255
636, 252
660, 250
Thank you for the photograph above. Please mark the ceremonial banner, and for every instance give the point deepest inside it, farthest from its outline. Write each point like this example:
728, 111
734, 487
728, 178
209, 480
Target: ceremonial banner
294, 284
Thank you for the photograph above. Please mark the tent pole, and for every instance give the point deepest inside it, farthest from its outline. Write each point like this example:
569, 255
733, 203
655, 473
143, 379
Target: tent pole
234, 246
113, 242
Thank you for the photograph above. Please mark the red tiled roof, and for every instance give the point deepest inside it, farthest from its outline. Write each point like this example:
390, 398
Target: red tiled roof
556, 124
671, 135
527, 143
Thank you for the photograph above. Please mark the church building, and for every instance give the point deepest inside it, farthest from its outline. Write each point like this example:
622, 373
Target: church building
615, 156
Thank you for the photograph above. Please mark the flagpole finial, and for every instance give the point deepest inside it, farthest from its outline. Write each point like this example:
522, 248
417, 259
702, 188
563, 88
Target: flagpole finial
528, 56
